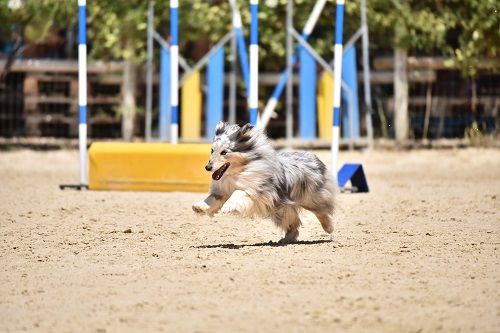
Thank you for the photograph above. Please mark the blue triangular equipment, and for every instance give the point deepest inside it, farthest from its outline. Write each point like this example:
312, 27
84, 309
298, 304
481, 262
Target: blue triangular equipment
355, 174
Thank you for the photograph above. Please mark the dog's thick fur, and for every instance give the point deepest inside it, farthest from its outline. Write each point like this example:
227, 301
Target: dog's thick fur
251, 178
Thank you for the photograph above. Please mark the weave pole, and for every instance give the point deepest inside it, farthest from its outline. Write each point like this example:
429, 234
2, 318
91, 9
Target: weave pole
278, 90
254, 61
174, 70
339, 29
82, 98
82, 89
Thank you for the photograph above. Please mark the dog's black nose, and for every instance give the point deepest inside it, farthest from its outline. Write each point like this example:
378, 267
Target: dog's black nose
208, 167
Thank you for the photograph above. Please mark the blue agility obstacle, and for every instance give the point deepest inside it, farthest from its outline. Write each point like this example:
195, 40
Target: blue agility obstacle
215, 99
350, 120
165, 112
307, 95
348, 172
355, 174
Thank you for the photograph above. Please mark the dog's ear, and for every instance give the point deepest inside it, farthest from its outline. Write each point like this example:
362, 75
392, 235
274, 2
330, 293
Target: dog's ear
243, 139
245, 129
243, 134
219, 129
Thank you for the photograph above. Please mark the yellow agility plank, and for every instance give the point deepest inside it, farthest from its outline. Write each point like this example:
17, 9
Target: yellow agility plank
191, 98
325, 105
148, 167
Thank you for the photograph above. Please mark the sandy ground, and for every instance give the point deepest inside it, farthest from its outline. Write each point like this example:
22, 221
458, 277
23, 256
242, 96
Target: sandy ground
420, 253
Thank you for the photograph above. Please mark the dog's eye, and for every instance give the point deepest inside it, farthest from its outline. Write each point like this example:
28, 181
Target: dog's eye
212, 151
223, 152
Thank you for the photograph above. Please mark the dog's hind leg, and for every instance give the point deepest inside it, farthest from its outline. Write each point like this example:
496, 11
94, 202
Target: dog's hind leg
325, 220
323, 206
288, 220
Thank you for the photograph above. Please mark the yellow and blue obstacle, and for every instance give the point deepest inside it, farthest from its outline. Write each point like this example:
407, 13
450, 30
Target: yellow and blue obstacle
148, 167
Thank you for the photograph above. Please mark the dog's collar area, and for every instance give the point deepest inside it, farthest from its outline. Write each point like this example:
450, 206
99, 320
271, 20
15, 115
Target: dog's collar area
220, 172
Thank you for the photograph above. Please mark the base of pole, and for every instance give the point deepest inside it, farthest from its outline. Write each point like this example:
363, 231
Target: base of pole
77, 187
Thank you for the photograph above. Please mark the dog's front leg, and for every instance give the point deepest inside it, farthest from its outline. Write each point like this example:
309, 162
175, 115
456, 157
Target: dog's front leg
239, 202
210, 205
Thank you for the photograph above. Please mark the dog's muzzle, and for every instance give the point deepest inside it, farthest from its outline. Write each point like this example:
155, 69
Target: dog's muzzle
220, 172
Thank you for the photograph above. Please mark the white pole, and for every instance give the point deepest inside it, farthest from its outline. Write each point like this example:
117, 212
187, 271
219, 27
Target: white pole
82, 89
337, 82
254, 61
174, 71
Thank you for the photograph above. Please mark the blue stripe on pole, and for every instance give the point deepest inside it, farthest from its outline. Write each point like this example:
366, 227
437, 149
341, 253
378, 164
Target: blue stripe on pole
175, 114
254, 24
242, 51
215, 97
83, 114
278, 90
339, 23
307, 95
82, 24
174, 28
253, 116
336, 116
165, 108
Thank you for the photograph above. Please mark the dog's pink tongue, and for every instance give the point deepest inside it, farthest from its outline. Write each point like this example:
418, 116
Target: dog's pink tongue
215, 175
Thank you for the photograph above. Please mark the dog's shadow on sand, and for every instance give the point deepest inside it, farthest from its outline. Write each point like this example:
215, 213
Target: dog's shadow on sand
270, 244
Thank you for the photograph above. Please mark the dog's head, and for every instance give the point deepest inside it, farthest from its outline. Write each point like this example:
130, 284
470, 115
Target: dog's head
229, 148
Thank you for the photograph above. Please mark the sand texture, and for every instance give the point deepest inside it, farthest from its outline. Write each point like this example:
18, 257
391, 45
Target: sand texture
419, 253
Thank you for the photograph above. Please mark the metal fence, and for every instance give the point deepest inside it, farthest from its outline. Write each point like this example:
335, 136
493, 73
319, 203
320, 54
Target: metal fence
441, 104
38, 99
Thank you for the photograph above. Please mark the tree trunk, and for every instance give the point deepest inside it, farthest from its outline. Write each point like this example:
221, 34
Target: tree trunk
128, 103
401, 121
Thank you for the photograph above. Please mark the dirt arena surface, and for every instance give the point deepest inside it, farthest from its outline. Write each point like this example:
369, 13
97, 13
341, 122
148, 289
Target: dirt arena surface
420, 253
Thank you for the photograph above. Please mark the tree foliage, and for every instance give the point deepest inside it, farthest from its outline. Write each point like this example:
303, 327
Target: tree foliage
466, 30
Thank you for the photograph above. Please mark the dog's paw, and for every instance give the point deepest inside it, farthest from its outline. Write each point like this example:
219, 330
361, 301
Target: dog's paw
200, 207
231, 207
290, 237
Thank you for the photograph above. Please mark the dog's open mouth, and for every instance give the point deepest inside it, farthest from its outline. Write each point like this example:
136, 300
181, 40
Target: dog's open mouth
220, 172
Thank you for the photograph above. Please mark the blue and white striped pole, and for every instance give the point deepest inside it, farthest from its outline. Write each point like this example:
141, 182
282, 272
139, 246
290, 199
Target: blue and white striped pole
174, 70
82, 89
240, 40
254, 61
337, 82
278, 90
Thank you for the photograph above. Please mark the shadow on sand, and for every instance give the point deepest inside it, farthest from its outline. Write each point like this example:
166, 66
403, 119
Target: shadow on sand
270, 243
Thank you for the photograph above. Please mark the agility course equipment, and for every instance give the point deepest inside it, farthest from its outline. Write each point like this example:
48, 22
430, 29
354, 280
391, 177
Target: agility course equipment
306, 32
82, 96
213, 92
174, 71
307, 83
254, 61
148, 167
136, 166
352, 172
163, 166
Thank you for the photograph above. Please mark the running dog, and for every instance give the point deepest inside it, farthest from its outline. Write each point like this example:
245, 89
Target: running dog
250, 178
